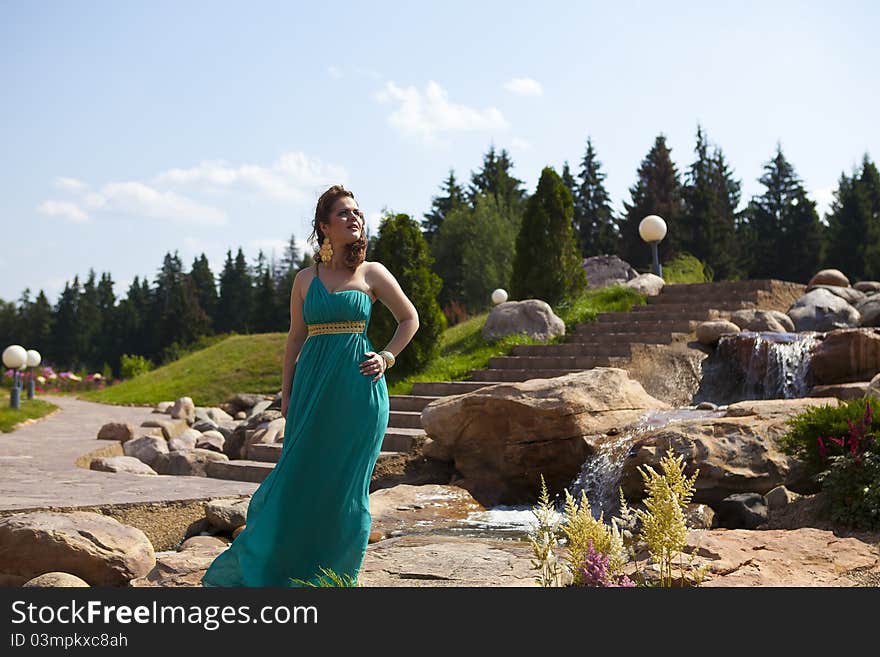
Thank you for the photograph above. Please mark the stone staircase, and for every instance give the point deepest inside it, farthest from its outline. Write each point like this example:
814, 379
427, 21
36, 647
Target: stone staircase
671, 315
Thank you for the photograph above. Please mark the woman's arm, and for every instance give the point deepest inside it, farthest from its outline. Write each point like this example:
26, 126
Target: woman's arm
389, 292
296, 337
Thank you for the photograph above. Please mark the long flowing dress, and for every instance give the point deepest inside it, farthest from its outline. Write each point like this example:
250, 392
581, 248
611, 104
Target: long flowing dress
313, 509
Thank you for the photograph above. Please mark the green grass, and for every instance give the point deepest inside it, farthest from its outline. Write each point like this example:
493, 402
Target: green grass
685, 268
253, 363
30, 408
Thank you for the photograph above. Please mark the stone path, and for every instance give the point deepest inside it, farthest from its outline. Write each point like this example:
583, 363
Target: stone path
38, 464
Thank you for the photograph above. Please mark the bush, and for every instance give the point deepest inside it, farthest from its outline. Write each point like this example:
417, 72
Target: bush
686, 268
821, 421
132, 365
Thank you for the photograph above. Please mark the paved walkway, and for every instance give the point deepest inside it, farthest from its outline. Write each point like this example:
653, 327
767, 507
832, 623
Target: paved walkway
38, 463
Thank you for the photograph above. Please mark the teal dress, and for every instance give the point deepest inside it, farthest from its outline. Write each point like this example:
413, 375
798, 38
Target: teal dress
313, 510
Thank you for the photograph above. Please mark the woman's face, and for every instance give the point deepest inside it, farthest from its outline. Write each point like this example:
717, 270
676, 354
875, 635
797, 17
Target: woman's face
346, 222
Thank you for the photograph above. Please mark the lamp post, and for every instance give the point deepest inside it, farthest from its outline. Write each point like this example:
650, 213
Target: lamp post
33, 359
15, 357
652, 229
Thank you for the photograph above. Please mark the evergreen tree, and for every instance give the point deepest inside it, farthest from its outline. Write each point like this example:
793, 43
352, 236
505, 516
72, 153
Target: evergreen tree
656, 191
265, 319
547, 264
594, 221
90, 332
236, 295
402, 249
782, 238
853, 234
709, 222
453, 197
495, 179
206, 287
36, 323
65, 339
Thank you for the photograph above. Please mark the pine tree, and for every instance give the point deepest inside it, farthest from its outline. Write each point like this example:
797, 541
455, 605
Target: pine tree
265, 317
495, 179
594, 221
206, 287
236, 295
65, 339
709, 222
782, 236
453, 197
657, 191
547, 264
402, 249
853, 233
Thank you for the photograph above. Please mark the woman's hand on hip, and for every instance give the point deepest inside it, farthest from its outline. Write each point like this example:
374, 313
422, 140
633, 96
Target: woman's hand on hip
373, 365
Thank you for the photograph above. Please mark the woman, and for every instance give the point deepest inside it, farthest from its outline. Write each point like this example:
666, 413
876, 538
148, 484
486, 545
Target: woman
311, 515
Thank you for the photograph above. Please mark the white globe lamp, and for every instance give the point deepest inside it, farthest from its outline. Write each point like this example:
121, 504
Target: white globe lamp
499, 296
652, 229
15, 358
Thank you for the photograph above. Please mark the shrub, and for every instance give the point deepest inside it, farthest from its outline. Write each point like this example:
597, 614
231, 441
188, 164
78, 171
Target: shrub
826, 420
132, 365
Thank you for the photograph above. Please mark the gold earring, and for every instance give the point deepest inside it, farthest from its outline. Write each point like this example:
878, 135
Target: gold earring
326, 252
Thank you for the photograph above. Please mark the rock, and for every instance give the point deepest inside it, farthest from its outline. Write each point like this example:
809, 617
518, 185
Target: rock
502, 437
873, 391
699, 516
242, 401
183, 442
869, 310
56, 579
203, 543
533, 317
829, 277
605, 270
211, 440
868, 287
170, 428
183, 568
846, 355
849, 294
121, 431
709, 332
227, 515
273, 432
259, 407
741, 511
121, 464
738, 452
240, 415
146, 448
779, 498
648, 284
820, 310
97, 548
236, 442
218, 415
184, 409
750, 319
192, 462
204, 425
263, 417
855, 390
707, 406
163, 407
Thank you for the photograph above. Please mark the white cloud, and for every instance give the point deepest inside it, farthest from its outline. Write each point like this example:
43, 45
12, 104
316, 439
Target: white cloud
369, 72
269, 246
136, 198
294, 176
69, 211
427, 116
524, 87
334, 72
71, 184
520, 143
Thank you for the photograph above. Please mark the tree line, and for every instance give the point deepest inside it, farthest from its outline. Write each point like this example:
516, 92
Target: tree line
478, 236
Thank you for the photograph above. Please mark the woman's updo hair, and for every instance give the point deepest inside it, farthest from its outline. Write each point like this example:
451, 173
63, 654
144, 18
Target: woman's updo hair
354, 251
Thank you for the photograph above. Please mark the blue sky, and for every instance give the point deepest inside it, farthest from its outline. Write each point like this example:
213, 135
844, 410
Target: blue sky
130, 129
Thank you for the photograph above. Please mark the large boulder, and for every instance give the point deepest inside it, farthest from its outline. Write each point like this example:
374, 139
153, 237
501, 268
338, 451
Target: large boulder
820, 310
128, 464
736, 453
146, 448
503, 437
868, 287
771, 321
605, 270
869, 310
648, 284
184, 409
829, 277
192, 462
97, 548
846, 355
709, 332
533, 317
849, 294
121, 431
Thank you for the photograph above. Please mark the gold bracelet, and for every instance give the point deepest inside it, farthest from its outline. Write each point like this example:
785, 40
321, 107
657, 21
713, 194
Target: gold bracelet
389, 358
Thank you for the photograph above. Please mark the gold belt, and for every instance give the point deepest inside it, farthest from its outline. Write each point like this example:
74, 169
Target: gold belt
354, 326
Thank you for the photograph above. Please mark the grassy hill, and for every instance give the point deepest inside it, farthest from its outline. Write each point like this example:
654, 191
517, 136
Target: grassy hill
253, 363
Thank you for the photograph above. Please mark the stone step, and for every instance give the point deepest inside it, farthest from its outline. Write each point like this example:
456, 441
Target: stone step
397, 439
698, 314
446, 388
640, 326
265, 452
409, 402
678, 306
546, 362
700, 297
506, 376
405, 419
254, 471
617, 340
723, 286
583, 347
239, 470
